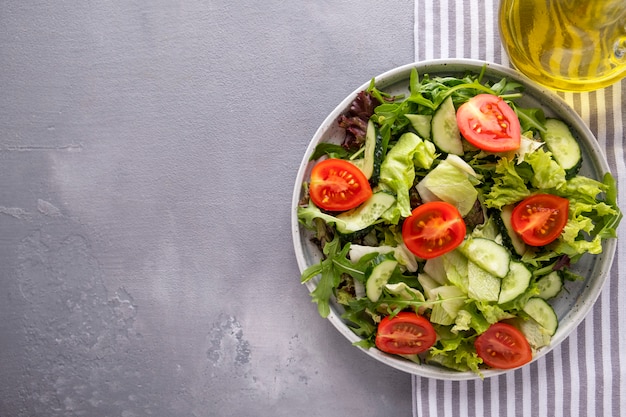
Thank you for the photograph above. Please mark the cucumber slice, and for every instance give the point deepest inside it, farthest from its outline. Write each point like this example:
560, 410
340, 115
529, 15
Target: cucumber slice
515, 282
482, 285
489, 255
543, 313
421, 123
445, 130
366, 214
550, 285
378, 279
509, 237
372, 154
563, 146
536, 335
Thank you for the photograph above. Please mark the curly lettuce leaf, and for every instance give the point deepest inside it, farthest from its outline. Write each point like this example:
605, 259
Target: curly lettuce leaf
591, 219
456, 352
547, 173
509, 187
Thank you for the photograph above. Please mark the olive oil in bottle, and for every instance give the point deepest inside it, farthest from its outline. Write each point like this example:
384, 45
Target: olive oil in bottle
567, 45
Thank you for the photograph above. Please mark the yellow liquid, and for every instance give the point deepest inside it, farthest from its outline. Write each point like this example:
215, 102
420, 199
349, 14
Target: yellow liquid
567, 45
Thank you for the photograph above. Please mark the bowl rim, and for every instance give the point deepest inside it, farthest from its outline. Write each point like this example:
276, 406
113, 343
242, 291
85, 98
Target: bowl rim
532, 89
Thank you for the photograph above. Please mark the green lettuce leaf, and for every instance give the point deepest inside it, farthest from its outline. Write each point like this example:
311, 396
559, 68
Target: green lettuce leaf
456, 352
547, 173
425, 154
307, 214
450, 183
398, 168
509, 187
590, 218
582, 189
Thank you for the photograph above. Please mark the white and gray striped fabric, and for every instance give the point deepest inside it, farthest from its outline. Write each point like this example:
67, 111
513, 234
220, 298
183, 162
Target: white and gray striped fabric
586, 374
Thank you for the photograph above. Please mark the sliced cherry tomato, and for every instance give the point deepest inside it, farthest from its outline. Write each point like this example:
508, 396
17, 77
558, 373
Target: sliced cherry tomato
540, 218
405, 334
488, 123
338, 185
433, 229
502, 346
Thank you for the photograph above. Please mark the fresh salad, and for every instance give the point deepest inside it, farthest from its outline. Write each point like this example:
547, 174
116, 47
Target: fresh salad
448, 218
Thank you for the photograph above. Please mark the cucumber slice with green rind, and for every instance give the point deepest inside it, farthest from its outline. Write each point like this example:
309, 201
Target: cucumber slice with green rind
445, 130
536, 335
482, 285
563, 146
515, 282
543, 313
378, 279
421, 123
366, 214
488, 254
372, 154
550, 285
509, 237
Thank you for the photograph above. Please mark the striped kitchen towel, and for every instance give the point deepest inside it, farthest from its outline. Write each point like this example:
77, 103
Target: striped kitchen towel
586, 374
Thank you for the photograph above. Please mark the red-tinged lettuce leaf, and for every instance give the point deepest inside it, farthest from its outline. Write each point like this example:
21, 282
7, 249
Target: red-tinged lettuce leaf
355, 120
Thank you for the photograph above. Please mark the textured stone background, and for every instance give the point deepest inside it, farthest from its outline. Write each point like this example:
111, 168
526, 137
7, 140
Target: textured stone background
147, 157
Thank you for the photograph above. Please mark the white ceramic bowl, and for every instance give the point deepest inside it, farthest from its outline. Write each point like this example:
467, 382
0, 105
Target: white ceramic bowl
571, 306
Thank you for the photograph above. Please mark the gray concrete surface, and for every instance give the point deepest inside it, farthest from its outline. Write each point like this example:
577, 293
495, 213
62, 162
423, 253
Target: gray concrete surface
147, 157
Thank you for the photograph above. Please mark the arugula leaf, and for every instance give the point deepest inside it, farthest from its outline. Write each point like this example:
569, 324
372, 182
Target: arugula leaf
335, 264
531, 118
331, 149
361, 324
607, 227
506, 87
416, 92
329, 276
